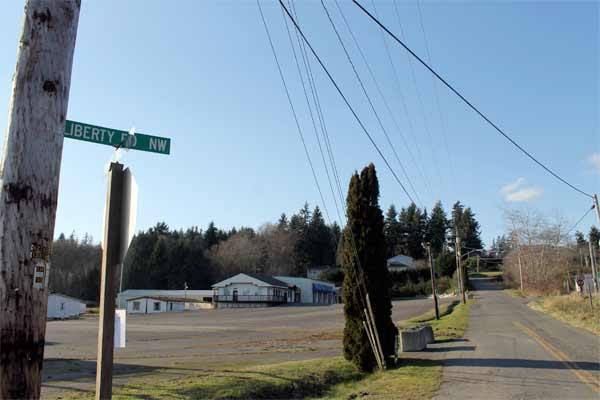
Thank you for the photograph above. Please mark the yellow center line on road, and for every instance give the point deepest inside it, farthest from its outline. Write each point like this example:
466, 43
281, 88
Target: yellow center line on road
583, 376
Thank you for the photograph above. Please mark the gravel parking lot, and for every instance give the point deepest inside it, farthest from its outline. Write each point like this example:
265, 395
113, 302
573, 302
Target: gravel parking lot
204, 339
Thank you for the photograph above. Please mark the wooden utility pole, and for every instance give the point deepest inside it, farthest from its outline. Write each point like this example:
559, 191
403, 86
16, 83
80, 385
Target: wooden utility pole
593, 263
111, 259
433, 291
29, 176
460, 270
597, 207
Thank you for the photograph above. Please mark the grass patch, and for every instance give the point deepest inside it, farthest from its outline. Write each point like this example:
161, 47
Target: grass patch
572, 309
514, 292
325, 378
486, 274
454, 319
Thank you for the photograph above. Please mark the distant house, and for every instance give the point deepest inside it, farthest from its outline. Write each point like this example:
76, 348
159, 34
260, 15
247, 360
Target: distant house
157, 304
312, 291
252, 290
195, 299
400, 263
61, 306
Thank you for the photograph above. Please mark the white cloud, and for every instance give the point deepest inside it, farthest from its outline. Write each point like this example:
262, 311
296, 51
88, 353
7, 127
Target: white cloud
594, 160
525, 194
517, 191
511, 187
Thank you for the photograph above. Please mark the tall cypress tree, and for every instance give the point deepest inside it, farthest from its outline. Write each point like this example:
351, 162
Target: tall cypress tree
365, 271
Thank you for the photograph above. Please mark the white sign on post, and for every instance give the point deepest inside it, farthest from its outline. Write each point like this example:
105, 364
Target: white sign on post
120, 326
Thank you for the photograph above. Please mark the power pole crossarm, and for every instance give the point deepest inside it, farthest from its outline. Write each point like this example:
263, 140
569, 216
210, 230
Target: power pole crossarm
30, 170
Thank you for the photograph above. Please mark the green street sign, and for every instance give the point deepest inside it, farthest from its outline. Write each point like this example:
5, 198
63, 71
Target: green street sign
117, 138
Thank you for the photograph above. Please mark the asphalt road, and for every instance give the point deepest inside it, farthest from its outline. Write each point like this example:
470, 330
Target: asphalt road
513, 352
222, 338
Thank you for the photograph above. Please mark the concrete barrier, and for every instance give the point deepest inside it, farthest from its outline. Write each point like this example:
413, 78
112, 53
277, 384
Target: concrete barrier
428, 332
416, 338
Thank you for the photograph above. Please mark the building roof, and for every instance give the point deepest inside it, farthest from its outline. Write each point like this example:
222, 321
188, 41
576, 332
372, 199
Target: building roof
267, 279
401, 260
67, 297
168, 299
239, 278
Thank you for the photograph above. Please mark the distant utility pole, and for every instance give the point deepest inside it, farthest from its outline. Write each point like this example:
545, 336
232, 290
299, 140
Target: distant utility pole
593, 262
433, 291
597, 207
461, 280
29, 174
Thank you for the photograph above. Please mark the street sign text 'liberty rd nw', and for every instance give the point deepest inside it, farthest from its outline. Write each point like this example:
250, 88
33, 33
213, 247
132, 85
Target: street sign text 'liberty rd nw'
117, 138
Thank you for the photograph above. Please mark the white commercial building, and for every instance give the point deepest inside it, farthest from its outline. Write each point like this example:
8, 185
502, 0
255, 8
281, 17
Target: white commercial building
61, 306
156, 304
202, 298
252, 290
312, 291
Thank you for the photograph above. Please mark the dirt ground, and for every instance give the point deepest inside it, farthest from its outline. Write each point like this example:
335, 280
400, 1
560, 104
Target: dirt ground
206, 339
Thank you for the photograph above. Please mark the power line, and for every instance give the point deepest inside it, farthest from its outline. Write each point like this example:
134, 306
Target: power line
467, 102
358, 120
580, 219
425, 123
311, 112
371, 103
315, 93
437, 96
385, 102
287, 93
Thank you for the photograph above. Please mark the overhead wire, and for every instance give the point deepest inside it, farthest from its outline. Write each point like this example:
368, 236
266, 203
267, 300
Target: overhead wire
348, 105
405, 107
315, 92
467, 102
373, 109
293, 110
437, 97
385, 101
311, 112
580, 219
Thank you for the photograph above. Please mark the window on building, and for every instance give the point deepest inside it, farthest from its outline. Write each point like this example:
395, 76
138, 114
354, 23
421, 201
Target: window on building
157, 306
136, 306
207, 299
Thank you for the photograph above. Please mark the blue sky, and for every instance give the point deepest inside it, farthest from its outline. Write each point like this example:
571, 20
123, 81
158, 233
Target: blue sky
202, 74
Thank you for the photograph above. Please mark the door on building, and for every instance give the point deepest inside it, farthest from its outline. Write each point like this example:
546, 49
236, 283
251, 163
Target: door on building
235, 295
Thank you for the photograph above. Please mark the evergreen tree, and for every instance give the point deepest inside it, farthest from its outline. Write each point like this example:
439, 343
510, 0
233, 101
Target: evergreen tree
413, 223
437, 228
321, 243
282, 223
211, 235
364, 261
392, 232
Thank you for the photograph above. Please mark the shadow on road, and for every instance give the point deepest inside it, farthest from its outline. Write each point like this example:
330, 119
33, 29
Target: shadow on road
485, 284
517, 363
69, 369
445, 349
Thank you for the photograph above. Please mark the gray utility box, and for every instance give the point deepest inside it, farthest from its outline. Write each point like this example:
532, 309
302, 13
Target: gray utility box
416, 338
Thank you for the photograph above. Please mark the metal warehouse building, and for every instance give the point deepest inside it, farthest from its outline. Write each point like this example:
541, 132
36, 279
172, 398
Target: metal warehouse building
312, 291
